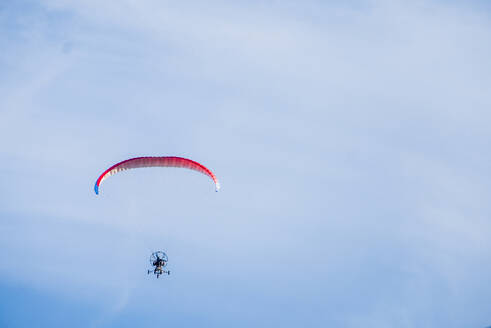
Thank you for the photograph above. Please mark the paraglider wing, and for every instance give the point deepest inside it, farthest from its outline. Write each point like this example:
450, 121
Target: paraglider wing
165, 161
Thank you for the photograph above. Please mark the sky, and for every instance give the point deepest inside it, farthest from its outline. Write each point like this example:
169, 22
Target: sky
351, 140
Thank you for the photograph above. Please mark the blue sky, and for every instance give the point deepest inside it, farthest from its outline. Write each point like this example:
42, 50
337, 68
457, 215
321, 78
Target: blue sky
351, 141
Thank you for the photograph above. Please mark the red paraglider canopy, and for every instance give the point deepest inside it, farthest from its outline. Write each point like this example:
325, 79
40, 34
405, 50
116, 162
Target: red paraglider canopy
164, 161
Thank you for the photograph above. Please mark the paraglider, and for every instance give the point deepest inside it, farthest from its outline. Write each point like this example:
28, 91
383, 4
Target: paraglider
158, 259
164, 161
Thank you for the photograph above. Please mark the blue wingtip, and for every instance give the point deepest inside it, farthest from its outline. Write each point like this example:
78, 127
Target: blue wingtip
96, 189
